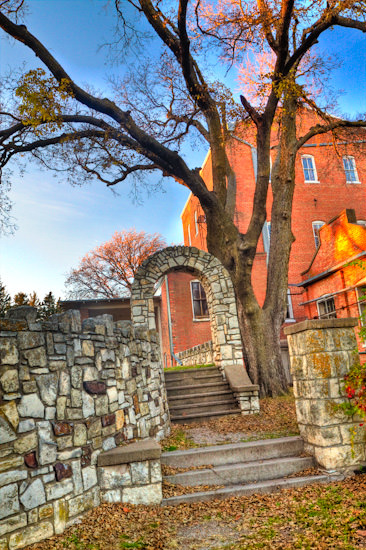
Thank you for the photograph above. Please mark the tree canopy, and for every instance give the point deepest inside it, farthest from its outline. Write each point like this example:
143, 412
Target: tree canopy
108, 270
167, 97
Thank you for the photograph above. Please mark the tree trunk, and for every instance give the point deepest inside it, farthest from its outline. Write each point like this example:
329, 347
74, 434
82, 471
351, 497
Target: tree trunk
261, 343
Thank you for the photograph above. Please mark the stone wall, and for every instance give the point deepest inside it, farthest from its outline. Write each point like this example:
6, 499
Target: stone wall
321, 353
69, 392
198, 355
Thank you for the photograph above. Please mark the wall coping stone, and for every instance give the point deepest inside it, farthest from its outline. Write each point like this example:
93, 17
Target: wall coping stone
238, 379
147, 449
314, 324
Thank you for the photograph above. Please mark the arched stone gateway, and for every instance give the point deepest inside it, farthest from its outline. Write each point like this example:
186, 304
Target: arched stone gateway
219, 292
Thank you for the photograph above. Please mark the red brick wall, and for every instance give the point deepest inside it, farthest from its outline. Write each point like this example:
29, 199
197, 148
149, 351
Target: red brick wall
186, 331
312, 201
340, 241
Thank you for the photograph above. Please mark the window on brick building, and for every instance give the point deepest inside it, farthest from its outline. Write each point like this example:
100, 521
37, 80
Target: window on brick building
349, 165
308, 166
316, 227
195, 222
199, 301
189, 234
326, 308
266, 232
290, 311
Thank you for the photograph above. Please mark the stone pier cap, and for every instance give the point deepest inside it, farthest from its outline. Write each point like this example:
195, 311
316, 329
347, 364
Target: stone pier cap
314, 324
238, 378
140, 451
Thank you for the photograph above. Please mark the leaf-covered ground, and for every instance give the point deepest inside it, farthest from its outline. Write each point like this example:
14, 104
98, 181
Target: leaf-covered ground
311, 518
318, 517
277, 418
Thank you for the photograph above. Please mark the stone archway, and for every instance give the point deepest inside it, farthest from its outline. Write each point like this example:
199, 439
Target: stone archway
219, 292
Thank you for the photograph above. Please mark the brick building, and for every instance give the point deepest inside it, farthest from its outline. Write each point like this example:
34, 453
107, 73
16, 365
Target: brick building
329, 177
335, 281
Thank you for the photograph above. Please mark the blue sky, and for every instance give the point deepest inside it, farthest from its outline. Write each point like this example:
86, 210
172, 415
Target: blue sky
59, 223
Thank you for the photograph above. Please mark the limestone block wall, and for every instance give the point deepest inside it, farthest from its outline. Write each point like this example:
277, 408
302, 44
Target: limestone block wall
321, 353
203, 354
69, 392
219, 290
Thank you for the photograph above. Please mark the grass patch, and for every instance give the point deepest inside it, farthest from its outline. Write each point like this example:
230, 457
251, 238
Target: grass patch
187, 367
177, 440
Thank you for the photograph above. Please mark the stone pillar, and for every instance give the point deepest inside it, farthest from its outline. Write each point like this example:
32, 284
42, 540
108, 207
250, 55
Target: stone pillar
321, 353
246, 393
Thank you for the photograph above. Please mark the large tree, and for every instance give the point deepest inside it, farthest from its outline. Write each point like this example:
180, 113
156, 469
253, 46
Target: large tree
142, 126
108, 270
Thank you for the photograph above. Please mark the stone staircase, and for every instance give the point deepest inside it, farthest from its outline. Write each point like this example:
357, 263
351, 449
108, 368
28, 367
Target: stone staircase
241, 468
196, 395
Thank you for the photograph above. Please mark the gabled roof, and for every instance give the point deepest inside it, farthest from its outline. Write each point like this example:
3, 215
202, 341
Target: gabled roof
342, 241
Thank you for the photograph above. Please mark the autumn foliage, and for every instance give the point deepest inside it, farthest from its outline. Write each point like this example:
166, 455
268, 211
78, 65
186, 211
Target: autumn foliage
108, 270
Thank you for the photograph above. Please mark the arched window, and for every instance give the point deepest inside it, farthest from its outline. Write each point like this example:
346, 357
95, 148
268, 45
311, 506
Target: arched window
316, 227
308, 166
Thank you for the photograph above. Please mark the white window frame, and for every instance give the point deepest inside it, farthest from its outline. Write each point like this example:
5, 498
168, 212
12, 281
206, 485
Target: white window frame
207, 318
316, 234
315, 180
189, 234
266, 233
353, 170
328, 314
196, 222
361, 222
290, 309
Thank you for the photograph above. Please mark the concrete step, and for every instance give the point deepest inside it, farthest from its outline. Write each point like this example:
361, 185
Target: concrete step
267, 486
197, 388
195, 380
201, 417
229, 401
199, 397
232, 474
234, 452
171, 375
206, 410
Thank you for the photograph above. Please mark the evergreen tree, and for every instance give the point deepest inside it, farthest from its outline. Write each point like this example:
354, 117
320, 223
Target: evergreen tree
5, 300
49, 306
